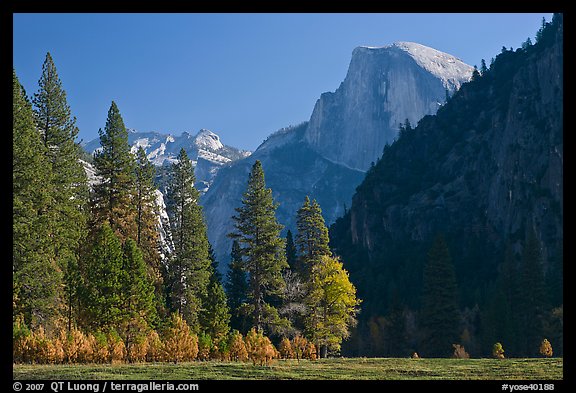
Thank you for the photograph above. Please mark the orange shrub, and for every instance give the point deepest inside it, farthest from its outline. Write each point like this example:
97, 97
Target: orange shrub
310, 352
155, 347
180, 344
299, 345
237, 348
260, 349
285, 349
98, 342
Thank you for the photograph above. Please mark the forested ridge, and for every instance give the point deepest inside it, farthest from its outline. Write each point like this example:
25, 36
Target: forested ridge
457, 231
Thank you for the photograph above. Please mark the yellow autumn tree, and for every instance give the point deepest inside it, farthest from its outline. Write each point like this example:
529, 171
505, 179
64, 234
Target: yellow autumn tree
332, 305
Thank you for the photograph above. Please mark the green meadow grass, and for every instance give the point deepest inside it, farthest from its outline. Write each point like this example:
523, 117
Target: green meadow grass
338, 368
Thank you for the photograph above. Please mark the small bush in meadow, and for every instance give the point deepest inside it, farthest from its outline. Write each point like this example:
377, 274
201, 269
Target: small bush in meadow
498, 351
99, 344
20, 341
460, 352
155, 350
116, 348
285, 349
299, 345
237, 347
546, 348
310, 352
260, 349
204, 346
180, 345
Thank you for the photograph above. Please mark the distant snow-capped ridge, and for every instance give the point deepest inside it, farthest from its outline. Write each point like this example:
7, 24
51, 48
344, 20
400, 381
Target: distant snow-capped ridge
205, 149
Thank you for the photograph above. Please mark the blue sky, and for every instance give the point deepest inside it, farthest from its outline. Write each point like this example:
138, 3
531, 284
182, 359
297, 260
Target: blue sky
242, 76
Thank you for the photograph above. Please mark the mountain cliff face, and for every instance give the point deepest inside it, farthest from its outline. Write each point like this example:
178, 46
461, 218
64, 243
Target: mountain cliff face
383, 87
326, 158
205, 149
486, 171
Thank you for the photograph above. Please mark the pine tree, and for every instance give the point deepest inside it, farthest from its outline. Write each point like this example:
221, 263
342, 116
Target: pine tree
137, 297
35, 276
236, 288
114, 196
291, 253
475, 73
312, 238
507, 297
67, 186
215, 316
532, 305
332, 305
189, 267
483, 67
147, 236
214, 272
440, 316
103, 280
258, 233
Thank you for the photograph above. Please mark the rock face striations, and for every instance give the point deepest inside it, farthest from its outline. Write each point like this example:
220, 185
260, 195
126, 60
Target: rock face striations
327, 157
384, 87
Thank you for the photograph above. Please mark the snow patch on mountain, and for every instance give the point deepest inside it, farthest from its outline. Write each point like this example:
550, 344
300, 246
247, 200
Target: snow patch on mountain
205, 150
206, 139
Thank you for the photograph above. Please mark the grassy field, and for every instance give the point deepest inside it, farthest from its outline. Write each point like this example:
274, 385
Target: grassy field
350, 368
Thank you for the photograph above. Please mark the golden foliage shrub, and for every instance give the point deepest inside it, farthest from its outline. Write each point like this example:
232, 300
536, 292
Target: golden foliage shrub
237, 347
41, 348
180, 345
546, 348
260, 349
116, 348
299, 345
310, 352
98, 342
285, 349
155, 352
138, 350
498, 351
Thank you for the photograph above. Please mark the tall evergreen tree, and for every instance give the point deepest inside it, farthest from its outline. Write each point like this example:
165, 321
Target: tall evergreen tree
258, 233
103, 281
215, 316
189, 267
137, 296
67, 185
114, 196
291, 253
533, 304
312, 238
236, 288
35, 276
440, 316
147, 236
214, 272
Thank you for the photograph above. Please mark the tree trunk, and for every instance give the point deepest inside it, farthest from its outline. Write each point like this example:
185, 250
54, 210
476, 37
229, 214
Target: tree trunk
323, 351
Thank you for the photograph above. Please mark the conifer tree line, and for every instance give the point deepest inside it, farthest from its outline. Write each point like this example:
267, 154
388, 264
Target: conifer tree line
89, 283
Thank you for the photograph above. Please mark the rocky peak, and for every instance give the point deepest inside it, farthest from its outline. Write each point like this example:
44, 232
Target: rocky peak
383, 87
